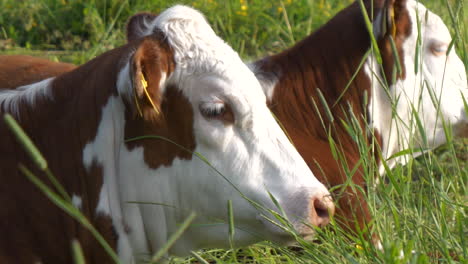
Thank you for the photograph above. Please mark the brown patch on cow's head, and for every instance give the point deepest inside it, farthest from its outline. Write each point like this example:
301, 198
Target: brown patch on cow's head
159, 109
396, 25
138, 24
176, 127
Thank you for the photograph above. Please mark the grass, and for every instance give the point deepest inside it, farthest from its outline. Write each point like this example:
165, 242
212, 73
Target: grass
80, 29
420, 209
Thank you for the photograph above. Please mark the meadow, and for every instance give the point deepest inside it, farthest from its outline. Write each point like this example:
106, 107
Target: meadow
420, 209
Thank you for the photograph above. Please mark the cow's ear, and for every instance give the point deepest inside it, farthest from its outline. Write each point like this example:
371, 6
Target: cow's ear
394, 18
395, 29
138, 26
150, 65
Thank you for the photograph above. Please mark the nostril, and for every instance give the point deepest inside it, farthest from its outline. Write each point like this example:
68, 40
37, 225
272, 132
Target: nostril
321, 211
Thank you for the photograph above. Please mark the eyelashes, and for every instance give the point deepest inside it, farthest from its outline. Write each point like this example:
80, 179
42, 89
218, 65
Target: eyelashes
212, 110
438, 49
217, 110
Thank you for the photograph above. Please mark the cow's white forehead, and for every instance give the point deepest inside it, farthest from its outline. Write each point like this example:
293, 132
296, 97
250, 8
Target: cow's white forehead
204, 58
431, 24
196, 46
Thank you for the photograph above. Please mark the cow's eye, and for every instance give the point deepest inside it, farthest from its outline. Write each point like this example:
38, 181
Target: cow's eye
212, 110
216, 110
438, 49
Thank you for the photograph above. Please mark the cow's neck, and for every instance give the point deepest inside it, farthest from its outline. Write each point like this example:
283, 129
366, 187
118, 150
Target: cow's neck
325, 61
80, 117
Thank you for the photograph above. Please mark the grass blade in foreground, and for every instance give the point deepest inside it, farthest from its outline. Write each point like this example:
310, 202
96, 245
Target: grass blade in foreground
34, 153
173, 238
71, 210
63, 201
26, 142
78, 252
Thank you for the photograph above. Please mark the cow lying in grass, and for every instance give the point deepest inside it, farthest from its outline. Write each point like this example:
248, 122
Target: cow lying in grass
119, 133
332, 95
329, 90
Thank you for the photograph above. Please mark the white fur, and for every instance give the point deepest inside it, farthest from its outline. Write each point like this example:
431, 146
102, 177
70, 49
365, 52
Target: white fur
104, 151
253, 154
10, 100
444, 75
268, 80
197, 48
76, 201
124, 83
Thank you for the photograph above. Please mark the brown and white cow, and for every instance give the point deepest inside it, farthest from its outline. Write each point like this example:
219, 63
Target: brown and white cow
327, 61
326, 65
179, 81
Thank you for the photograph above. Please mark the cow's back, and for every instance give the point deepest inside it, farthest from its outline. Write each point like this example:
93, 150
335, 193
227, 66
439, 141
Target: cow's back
19, 70
33, 229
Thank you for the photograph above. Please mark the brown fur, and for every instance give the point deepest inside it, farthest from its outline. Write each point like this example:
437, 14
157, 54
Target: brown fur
33, 228
325, 61
172, 118
18, 70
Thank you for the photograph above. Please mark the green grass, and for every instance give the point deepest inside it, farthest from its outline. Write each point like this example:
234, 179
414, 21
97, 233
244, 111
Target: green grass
84, 28
420, 207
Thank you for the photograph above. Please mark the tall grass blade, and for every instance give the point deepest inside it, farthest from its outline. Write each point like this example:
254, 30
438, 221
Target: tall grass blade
26, 142
396, 56
325, 105
173, 238
199, 258
70, 209
78, 254
370, 29
34, 153
361, 63
232, 230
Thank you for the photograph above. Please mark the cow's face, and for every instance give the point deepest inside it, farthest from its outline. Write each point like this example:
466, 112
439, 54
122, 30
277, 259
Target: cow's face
432, 85
205, 100
439, 86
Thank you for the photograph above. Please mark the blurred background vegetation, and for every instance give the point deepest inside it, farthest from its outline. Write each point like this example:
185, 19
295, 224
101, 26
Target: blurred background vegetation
77, 30
251, 27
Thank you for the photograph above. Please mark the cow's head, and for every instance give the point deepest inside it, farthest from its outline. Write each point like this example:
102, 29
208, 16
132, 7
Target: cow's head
430, 86
188, 88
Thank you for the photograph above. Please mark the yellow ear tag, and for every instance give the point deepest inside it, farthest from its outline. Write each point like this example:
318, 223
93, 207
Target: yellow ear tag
137, 105
392, 16
144, 83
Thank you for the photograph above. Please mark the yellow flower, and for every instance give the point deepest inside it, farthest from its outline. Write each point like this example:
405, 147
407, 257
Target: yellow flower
243, 7
241, 13
280, 9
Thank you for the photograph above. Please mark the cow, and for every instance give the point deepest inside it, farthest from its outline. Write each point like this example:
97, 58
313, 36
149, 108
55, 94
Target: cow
19, 70
324, 72
143, 135
317, 86
330, 83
